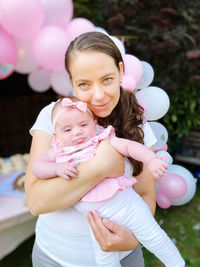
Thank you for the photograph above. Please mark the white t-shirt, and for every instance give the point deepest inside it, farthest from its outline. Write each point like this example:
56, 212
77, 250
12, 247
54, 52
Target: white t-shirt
64, 233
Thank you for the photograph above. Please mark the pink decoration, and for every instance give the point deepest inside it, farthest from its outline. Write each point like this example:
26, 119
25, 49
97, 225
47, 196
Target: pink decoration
78, 26
57, 13
21, 18
8, 54
128, 82
163, 201
60, 83
26, 63
163, 148
133, 67
171, 186
49, 47
39, 80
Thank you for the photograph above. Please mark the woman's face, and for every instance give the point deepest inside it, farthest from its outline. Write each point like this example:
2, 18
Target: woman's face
96, 81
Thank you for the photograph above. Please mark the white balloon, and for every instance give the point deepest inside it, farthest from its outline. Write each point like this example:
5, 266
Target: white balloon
99, 29
39, 80
189, 179
155, 102
119, 44
160, 133
61, 84
147, 77
165, 156
57, 13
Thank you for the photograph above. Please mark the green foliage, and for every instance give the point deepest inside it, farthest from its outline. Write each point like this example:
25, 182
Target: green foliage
184, 112
86, 9
159, 32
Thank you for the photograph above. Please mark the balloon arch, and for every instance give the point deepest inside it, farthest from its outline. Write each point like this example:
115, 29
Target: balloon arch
33, 41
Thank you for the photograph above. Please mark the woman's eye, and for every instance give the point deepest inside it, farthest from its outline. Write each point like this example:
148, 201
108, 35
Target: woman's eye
83, 85
108, 80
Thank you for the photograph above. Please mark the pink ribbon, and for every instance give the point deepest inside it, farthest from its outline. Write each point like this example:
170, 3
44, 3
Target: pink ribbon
66, 102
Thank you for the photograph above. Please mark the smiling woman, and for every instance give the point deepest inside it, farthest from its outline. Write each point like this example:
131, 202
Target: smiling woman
95, 67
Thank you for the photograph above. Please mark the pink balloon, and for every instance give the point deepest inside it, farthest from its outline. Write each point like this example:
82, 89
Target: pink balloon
8, 54
133, 67
173, 185
57, 13
21, 18
128, 83
78, 26
60, 83
49, 47
163, 201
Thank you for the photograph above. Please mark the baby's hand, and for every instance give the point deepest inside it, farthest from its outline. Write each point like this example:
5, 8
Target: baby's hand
157, 167
66, 170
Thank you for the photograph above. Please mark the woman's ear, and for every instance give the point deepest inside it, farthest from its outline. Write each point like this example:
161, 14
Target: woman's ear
121, 70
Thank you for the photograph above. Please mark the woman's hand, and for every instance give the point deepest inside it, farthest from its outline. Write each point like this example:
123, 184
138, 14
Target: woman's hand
110, 235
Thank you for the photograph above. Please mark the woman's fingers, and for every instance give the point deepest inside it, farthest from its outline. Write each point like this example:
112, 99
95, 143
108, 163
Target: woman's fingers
98, 229
110, 235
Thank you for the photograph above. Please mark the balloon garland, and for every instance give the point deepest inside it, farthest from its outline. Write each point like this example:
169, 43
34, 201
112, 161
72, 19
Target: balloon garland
34, 39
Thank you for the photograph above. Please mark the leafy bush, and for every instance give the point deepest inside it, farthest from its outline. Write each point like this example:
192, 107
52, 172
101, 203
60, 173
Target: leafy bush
183, 114
164, 33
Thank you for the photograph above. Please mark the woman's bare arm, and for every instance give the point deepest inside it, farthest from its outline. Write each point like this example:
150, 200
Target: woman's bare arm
47, 195
146, 188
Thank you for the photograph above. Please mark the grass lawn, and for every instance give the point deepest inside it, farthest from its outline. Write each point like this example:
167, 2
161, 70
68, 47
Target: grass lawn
181, 223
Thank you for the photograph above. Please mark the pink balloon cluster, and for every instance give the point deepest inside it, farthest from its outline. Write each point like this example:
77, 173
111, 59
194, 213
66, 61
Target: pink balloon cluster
8, 54
35, 35
170, 186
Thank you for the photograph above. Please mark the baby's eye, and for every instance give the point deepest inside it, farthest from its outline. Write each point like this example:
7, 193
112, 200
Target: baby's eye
84, 124
67, 130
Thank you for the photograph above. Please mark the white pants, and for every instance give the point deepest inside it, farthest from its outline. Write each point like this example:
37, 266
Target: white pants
128, 209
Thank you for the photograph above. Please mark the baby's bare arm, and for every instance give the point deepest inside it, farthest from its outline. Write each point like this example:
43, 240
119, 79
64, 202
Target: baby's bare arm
47, 195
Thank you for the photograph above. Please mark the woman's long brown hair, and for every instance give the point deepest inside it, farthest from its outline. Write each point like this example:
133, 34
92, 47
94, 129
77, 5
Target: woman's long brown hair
127, 116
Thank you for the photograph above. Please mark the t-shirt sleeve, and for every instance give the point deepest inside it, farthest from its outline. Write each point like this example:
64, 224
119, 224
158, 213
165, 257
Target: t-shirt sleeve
43, 122
149, 137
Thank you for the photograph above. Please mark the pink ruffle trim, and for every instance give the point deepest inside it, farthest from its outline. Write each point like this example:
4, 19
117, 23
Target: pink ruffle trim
108, 188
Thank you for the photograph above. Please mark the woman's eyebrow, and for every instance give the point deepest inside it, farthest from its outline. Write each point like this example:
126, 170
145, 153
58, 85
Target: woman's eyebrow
81, 80
107, 74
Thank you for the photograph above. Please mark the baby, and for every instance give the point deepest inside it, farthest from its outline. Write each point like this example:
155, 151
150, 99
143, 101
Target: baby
75, 140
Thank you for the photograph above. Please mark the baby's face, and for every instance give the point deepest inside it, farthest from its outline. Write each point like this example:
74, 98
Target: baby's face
75, 127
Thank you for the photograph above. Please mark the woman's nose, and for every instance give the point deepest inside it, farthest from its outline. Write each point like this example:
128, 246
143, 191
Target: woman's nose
98, 93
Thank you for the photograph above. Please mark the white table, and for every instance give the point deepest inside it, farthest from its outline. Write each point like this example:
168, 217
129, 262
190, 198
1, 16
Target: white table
16, 223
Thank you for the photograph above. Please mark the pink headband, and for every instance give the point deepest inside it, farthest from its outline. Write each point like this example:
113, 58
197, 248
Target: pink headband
66, 102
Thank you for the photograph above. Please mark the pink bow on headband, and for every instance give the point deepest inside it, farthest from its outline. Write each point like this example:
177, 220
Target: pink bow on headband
66, 102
